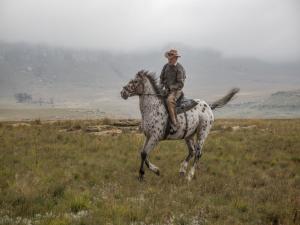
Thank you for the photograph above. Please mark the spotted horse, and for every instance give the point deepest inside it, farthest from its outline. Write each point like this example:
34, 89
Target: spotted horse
195, 123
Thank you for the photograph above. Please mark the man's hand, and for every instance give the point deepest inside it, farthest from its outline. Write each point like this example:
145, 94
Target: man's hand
164, 92
174, 88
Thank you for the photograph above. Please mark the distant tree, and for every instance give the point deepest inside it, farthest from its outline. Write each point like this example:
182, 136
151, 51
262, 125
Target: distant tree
23, 98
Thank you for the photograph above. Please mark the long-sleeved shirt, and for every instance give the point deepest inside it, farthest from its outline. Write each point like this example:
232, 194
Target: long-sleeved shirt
172, 77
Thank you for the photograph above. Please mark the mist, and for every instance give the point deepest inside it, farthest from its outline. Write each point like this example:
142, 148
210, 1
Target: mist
268, 30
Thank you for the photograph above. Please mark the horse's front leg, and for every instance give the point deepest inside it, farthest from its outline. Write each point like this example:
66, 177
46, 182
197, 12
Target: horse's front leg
149, 144
152, 167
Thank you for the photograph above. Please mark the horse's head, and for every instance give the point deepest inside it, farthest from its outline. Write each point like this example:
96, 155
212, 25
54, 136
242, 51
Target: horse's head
134, 86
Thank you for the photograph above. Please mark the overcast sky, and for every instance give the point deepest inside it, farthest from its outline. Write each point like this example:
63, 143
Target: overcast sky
267, 29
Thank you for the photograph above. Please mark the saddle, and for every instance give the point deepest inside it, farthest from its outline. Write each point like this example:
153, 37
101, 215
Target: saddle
183, 104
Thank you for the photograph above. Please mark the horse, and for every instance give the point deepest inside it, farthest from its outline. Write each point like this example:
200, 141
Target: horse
195, 124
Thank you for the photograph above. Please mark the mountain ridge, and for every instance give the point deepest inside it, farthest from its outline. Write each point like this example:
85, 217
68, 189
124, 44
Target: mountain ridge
91, 77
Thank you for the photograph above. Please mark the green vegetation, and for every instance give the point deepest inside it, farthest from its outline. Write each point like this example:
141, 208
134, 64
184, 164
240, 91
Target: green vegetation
53, 177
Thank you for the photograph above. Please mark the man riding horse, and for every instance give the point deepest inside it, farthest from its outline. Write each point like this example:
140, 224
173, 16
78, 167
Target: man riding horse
172, 81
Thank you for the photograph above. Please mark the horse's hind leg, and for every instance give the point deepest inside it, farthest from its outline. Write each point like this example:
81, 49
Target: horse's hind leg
190, 144
202, 133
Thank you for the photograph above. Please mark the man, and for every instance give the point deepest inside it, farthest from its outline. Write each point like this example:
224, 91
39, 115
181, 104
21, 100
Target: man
172, 79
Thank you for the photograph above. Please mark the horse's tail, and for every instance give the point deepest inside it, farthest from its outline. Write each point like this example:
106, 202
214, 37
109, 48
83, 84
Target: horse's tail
223, 101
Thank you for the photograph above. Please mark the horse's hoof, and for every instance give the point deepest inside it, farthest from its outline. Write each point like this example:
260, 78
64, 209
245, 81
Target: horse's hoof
190, 178
141, 176
157, 172
181, 174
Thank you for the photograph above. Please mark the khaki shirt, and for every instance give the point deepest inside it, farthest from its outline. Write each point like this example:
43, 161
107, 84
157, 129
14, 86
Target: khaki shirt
172, 77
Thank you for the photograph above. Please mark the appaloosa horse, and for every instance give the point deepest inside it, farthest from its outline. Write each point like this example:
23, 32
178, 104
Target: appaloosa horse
155, 121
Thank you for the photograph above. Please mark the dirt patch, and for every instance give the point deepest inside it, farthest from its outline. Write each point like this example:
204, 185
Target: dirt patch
126, 123
21, 125
233, 128
236, 128
112, 128
112, 132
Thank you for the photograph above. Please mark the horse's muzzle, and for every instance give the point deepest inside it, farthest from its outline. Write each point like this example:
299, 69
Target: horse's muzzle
124, 94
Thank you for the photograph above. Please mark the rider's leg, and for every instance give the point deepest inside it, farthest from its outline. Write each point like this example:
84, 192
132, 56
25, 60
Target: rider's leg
171, 103
171, 107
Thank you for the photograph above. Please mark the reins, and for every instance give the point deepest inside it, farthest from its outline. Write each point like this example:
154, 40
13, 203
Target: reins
153, 94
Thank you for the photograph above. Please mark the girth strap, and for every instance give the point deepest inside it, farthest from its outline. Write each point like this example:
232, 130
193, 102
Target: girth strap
186, 125
168, 125
168, 128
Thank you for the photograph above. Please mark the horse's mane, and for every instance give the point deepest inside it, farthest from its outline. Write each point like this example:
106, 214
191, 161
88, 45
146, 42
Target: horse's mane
152, 78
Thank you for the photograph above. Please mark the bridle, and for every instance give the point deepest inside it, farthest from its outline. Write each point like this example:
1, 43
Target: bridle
126, 89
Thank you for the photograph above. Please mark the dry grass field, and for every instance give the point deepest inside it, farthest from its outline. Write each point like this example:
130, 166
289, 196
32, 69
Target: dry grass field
56, 173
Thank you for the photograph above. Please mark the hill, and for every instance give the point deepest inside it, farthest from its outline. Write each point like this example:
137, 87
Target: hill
58, 77
284, 104
80, 74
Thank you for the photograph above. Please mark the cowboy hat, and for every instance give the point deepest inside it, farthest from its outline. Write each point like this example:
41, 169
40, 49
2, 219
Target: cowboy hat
172, 53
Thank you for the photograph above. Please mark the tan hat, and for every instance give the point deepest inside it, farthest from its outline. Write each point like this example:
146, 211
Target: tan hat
172, 53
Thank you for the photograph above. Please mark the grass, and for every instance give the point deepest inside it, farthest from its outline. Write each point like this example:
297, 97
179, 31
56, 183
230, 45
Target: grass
248, 176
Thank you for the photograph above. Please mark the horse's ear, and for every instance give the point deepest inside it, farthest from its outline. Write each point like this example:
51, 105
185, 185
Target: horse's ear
139, 74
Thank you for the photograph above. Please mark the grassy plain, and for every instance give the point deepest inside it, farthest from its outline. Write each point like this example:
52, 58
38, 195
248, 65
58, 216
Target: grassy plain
245, 176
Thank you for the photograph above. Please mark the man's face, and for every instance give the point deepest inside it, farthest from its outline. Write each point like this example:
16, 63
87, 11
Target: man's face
173, 60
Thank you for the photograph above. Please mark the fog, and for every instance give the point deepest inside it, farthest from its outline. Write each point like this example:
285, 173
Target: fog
268, 30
